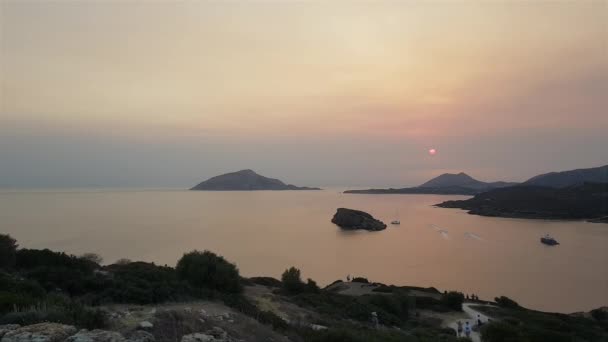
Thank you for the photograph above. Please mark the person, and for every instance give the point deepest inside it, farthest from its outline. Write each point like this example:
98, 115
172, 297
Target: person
467, 330
459, 331
375, 320
479, 320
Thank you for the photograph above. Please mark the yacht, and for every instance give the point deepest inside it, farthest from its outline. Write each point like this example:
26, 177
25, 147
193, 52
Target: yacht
548, 240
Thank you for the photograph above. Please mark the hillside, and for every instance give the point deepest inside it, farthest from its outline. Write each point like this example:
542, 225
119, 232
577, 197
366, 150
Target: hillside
572, 177
245, 180
586, 201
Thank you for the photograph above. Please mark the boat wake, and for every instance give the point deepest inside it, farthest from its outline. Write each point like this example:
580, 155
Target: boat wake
443, 232
473, 236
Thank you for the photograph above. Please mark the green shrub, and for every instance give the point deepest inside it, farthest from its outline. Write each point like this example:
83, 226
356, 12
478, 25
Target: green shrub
266, 281
8, 251
360, 280
292, 283
453, 300
145, 283
501, 332
311, 286
208, 270
506, 302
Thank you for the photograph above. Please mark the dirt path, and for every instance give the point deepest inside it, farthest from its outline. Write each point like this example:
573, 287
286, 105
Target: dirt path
471, 316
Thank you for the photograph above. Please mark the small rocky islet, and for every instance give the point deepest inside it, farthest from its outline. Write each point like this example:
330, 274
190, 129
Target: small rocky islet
351, 219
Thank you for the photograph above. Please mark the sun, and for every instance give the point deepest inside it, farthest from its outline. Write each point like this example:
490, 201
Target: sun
432, 151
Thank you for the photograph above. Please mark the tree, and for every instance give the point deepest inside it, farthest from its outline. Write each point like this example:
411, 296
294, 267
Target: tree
453, 300
208, 270
92, 257
292, 283
8, 251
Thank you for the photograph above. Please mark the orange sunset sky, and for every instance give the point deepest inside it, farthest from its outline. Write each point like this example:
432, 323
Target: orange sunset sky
163, 93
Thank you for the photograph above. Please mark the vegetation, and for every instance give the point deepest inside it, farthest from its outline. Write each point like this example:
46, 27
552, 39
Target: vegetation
520, 324
8, 251
206, 270
506, 302
292, 283
43, 285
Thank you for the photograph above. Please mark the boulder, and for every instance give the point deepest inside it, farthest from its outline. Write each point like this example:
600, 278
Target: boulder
198, 337
96, 336
8, 327
146, 325
42, 332
356, 219
141, 336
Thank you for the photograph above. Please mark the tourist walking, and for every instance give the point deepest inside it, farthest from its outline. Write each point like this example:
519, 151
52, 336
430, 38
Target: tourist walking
467, 330
459, 331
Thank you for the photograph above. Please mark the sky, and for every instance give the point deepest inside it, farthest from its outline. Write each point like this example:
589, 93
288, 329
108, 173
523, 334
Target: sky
330, 93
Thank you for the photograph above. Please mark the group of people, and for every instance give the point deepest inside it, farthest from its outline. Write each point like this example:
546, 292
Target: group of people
466, 329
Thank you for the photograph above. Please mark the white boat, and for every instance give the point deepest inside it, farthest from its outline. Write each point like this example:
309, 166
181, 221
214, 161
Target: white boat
396, 221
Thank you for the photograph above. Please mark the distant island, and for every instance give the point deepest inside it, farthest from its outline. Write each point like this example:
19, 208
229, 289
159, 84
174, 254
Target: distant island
445, 184
245, 180
587, 201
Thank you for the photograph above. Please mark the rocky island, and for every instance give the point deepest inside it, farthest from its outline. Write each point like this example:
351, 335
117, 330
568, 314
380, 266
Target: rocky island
445, 184
245, 180
356, 219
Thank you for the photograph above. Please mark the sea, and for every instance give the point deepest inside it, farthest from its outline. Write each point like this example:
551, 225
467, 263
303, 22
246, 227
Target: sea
266, 232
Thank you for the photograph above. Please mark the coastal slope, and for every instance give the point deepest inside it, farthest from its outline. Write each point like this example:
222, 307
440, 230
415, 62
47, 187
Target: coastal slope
445, 184
571, 177
588, 201
245, 180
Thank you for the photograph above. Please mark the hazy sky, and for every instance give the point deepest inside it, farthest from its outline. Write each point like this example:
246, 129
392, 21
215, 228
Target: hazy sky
164, 93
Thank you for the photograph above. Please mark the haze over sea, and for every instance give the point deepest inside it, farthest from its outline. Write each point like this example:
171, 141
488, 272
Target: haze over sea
264, 232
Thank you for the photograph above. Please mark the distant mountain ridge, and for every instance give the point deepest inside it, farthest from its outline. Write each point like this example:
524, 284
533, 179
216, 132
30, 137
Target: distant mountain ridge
245, 180
570, 178
445, 184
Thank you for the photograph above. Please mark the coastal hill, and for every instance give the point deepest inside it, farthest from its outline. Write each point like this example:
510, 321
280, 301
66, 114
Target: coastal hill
572, 177
445, 184
245, 180
587, 201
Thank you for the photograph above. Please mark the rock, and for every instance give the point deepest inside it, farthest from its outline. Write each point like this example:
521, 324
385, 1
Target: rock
146, 325
317, 327
356, 219
218, 333
8, 327
96, 336
204, 313
141, 336
42, 332
198, 337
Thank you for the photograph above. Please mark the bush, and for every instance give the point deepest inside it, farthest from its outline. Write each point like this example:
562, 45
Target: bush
506, 302
208, 270
266, 281
292, 283
312, 287
92, 257
144, 283
8, 251
501, 332
453, 300
360, 280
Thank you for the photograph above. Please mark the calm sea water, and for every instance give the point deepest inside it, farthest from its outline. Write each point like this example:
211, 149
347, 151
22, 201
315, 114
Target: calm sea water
265, 232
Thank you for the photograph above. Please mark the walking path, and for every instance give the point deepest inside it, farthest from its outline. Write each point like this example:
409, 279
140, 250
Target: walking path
472, 319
